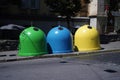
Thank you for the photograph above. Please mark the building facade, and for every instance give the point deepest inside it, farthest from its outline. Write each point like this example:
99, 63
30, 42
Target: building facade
102, 14
105, 15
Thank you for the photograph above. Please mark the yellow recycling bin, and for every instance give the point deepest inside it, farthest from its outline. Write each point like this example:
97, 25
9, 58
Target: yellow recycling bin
87, 39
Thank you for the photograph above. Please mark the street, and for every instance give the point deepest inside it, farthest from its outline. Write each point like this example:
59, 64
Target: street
59, 39
87, 67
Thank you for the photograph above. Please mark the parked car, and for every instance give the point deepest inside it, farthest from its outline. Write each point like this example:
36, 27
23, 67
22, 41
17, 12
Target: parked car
10, 31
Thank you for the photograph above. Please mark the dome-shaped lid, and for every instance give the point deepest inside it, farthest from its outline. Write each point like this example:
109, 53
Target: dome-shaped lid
33, 32
32, 42
59, 32
86, 31
87, 38
60, 39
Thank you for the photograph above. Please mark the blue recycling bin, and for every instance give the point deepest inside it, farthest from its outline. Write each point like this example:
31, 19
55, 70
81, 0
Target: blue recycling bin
60, 40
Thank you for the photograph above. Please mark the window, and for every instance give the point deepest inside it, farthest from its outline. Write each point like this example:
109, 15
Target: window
31, 4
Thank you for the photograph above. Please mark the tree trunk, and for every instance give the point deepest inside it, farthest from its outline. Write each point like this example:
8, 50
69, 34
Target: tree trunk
68, 19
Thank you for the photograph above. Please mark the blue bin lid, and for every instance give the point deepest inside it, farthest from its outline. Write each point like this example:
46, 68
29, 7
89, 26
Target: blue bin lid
60, 40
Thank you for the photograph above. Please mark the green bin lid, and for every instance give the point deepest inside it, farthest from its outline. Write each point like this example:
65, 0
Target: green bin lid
32, 42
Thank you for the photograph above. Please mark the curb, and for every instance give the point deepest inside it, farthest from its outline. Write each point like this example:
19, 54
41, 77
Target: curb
14, 57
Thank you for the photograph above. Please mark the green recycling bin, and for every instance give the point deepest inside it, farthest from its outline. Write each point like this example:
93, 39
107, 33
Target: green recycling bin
32, 42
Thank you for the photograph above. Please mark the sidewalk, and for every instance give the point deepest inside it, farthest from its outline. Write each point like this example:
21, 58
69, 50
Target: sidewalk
12, 55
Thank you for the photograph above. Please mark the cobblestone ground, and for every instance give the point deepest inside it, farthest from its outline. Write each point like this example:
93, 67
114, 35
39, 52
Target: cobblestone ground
7, 45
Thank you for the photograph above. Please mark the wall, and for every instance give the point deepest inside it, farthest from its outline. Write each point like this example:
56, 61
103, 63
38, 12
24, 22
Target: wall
98, 18
117, 23
93, 8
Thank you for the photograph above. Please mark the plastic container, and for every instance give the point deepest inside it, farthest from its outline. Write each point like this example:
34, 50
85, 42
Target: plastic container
87, 39
60, 40
32, 42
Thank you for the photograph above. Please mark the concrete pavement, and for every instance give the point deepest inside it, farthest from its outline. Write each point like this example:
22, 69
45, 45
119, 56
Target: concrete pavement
68, 68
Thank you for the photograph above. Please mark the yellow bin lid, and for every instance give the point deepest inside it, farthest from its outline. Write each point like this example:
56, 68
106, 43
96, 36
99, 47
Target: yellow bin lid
87, 39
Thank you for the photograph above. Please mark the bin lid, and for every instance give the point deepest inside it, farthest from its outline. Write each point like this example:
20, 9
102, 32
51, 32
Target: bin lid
32, 42
87, 38
60, 39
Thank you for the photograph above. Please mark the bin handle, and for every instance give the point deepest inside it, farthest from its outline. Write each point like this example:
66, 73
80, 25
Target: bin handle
89, 27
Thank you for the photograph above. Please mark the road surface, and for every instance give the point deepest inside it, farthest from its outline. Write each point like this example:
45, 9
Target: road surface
90, 67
